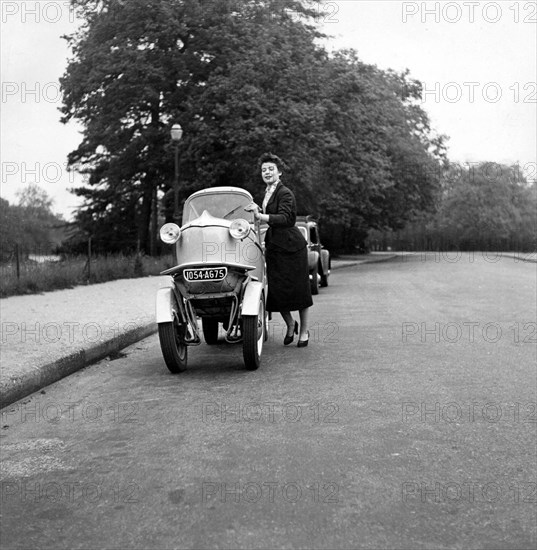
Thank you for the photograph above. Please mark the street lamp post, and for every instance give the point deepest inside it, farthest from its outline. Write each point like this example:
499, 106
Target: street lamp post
177, 134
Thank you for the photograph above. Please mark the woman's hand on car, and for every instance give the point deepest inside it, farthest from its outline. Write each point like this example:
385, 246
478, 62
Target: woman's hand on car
252, 207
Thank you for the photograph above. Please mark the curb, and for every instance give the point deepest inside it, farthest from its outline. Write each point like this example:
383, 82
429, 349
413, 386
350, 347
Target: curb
520, 258
20, 387
350, 263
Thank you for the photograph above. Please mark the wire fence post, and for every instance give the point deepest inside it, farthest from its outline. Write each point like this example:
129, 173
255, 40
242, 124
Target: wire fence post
18, 262
89, 260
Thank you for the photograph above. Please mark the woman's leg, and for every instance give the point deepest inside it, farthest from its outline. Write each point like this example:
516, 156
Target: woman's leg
304, 313
289, 321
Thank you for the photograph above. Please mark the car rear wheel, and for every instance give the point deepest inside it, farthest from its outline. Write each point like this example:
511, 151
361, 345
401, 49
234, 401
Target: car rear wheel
315, 280
324, 280
210, 330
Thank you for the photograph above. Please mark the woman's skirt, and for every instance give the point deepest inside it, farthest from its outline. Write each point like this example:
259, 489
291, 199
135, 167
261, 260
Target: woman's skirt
288, 280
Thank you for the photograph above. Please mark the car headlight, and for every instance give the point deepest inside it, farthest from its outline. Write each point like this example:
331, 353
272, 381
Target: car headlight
239, 229
170, 233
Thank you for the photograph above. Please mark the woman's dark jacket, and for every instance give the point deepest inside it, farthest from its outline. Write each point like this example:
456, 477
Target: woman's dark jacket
282, 232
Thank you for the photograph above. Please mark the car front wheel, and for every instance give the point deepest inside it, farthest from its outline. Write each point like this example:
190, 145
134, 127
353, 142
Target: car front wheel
172, 343
253, 336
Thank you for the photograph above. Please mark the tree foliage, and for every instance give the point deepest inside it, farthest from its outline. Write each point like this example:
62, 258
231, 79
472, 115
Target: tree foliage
484, 207
490, 204
242, 77
30, 224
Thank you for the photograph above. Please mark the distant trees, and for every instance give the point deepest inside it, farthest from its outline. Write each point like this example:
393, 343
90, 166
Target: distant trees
10, 224
485, 207
242, 77
30, 224
490, 204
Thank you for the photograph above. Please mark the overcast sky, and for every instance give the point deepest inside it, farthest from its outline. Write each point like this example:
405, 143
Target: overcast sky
476, 59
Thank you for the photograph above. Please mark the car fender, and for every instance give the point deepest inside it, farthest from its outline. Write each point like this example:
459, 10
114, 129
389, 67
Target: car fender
166, 305
313, 258
250, 300
325, 261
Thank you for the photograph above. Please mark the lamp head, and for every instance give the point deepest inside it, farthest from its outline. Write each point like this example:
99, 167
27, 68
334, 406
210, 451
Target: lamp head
176, 132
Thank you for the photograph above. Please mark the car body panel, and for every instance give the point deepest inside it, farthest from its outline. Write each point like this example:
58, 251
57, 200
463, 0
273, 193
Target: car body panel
318, 256
251, 298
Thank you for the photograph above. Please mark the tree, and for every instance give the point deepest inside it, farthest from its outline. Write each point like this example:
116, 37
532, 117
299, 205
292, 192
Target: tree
10, 229
30, 224
132, 76
382, 162
242, 77
36, 200
345, 130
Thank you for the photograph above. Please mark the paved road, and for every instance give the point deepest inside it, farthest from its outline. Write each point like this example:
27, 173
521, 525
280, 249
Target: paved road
409, 422
45, 337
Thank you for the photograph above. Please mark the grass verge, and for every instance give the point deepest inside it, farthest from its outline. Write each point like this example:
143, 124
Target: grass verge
38, 277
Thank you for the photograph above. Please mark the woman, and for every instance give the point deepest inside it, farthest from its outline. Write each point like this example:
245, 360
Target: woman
286, 252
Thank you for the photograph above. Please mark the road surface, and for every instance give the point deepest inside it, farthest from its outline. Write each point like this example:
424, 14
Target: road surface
408, 422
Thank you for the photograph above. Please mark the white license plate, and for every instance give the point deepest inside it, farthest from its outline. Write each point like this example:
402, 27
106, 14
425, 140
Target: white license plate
205, 274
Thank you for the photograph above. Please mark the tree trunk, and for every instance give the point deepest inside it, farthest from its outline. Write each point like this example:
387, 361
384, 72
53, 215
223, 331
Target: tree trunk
145, 219
154, 214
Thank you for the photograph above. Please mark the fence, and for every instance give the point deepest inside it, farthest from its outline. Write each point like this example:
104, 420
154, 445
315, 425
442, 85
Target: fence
24, 270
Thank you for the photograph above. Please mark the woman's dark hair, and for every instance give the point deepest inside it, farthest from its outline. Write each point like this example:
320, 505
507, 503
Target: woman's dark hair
269, 157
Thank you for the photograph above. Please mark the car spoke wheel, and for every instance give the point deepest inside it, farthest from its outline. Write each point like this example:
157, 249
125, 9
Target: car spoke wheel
253, 336
172, 344
210, 330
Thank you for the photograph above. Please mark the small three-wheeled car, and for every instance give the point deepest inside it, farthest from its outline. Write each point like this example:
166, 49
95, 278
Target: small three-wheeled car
219, 279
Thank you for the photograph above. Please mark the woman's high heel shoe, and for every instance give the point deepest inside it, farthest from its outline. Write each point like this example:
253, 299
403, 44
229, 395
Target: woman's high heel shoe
303, 343
288, 339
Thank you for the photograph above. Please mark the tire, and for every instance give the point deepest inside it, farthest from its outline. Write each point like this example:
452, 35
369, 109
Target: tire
324, 280
315, 281
253, 336
265, 337
210, 330
172, 344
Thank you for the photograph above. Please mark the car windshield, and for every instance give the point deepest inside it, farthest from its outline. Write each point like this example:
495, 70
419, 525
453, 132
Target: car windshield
304, 231
220, 205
